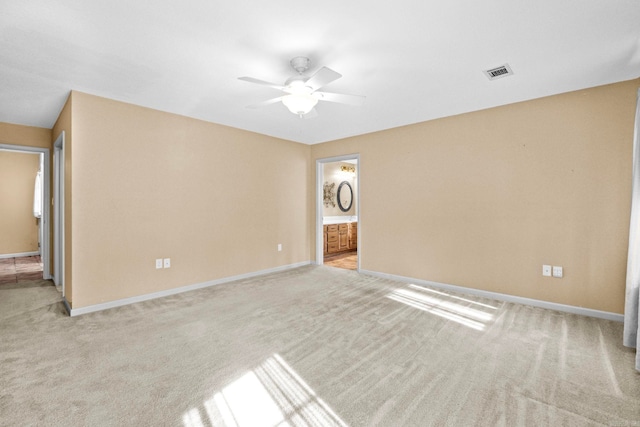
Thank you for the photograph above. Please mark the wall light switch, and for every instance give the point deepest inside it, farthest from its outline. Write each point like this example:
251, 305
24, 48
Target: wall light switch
159, 263
167, 262
546, 270
557, 271
279, 247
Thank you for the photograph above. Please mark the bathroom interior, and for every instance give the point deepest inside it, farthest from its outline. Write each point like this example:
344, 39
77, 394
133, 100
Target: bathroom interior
340, 214
21, 227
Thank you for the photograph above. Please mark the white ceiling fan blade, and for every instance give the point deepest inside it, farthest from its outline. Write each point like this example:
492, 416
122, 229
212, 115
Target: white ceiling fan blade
265, 103
262, 82
322, 77
341, 98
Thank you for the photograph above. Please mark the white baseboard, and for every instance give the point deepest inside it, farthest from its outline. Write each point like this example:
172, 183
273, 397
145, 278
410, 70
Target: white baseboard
503, 297
165, 293
18, 255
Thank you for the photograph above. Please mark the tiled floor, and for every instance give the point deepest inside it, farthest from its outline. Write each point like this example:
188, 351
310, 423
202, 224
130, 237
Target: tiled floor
14, 270
348, 261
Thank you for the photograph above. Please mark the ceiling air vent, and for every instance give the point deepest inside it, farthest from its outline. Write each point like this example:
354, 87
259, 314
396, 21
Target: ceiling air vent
498, 72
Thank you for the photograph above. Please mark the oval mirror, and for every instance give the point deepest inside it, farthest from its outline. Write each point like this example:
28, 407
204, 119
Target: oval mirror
345, 196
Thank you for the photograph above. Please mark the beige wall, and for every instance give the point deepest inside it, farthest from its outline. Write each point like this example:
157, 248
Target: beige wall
148, 184
64, 123
333, 175
18, 226
480, 200
483, 199
25, 135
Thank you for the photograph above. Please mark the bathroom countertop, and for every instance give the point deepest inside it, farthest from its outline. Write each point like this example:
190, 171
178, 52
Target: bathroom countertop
339, 219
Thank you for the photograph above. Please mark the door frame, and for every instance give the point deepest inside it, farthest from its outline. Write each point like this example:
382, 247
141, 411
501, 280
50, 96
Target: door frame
46, 201
58, 211
319, 203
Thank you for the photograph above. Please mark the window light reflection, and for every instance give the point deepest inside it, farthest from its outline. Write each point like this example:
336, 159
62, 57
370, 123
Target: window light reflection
422, 288
464, 315
249, 403
272, 394
192, 418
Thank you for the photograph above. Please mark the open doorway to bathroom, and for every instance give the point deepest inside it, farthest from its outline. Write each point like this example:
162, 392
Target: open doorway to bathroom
338, 212
24, 246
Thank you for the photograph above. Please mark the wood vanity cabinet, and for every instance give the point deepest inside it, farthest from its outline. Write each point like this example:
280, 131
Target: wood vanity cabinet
343, 237
324, 233
353, 235
332, 238
340, 237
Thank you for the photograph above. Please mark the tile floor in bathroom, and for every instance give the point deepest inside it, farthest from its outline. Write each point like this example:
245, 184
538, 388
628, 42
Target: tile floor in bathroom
14, 270
348, 260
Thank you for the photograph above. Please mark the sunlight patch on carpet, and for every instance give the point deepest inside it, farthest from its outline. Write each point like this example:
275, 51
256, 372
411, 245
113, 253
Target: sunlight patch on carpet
474, 318
272, 394
433, 291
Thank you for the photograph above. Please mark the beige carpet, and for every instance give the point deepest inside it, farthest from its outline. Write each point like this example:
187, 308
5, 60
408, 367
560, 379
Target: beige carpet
313, 346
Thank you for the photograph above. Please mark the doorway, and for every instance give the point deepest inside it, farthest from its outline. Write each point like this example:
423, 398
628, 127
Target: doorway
43, 214
58, 212
338, 230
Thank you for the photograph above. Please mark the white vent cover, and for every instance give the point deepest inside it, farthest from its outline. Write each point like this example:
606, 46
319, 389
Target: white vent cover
498, 72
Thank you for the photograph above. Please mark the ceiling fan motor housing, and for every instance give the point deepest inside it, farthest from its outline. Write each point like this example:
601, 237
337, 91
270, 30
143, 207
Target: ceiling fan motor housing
300, 64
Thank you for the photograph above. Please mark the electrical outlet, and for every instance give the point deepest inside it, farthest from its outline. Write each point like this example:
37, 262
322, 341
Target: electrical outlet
279, 247
546, 270
159, 263
167, 263
557, 271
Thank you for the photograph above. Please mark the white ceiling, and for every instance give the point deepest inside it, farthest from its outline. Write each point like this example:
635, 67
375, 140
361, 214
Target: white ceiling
414, 60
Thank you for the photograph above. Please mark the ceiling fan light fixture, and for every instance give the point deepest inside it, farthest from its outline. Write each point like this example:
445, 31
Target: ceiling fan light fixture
300, 103
302, 92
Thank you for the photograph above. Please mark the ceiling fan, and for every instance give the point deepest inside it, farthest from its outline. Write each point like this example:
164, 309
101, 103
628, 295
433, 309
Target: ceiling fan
302, 93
